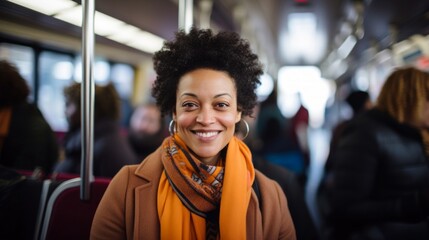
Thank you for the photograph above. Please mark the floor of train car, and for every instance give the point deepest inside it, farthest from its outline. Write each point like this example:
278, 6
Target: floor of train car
319, 140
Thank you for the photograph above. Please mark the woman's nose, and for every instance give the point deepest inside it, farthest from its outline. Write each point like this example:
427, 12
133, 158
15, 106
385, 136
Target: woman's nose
205, 116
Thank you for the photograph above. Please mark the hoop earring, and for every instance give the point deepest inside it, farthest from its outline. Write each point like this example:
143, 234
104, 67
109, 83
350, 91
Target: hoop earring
247, 129
172, 128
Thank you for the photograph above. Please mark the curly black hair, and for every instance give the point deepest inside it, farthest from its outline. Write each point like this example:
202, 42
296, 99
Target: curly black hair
201, 48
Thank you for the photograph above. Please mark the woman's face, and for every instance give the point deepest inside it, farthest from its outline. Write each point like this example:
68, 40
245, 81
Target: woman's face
206, 112
72, 113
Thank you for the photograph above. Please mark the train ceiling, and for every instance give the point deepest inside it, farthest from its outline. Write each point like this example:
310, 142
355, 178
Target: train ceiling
321, 26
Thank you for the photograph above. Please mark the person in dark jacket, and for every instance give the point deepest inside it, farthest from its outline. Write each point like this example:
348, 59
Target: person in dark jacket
289, 182
111, 149
359, 101
381, 173
27, 142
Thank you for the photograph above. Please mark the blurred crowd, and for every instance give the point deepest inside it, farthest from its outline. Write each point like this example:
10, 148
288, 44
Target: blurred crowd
376, 178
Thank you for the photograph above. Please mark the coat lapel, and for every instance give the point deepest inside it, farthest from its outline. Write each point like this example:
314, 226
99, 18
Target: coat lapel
146, 197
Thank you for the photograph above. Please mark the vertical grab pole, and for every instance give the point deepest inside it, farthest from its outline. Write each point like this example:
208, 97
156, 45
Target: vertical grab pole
87, 97
185, 15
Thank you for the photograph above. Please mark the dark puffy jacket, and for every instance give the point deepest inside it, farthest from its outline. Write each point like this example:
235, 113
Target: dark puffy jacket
111, 150
30, 143
380, 173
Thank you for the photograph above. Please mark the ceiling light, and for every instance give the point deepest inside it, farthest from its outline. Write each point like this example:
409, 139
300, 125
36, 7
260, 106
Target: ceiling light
124, 35
73, 16
105, 25
146, 42
48, 7
347, 46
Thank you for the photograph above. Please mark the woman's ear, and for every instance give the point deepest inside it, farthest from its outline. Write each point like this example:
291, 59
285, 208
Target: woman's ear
238, 117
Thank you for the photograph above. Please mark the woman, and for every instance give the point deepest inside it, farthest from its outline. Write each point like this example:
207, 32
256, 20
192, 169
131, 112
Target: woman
198, 183
381, 171
111, 150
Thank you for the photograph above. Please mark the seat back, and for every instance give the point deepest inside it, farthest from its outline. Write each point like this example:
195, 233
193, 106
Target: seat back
20, 209
66, 215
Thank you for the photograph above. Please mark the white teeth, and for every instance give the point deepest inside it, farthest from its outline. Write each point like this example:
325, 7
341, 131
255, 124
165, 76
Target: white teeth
206, 134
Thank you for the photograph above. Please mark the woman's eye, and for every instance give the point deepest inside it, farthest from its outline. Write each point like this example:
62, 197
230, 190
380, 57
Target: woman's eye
223, 105
189, 105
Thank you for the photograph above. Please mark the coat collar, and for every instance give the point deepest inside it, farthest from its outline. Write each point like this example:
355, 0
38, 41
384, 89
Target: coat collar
145, 197
151, 167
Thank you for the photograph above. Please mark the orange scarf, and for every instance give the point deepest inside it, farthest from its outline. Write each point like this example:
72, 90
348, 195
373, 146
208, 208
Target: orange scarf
188, 190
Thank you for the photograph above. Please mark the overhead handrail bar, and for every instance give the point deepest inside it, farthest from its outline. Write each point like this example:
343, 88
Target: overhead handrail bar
87, 97
185, 15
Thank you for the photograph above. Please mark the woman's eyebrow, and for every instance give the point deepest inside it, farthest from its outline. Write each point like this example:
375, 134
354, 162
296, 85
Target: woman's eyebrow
194, 95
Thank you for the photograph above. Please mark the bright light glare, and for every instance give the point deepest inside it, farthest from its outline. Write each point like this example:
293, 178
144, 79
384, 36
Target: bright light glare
347, 46
361, 80
122, 77
147, 42
302, 29
47, 7
101, 72
73, 16
302, 41
304, 82
126, 34
265, 88
63, 70
104, 25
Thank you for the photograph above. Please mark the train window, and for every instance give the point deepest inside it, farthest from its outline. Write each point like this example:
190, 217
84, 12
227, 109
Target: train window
123, 78
23, 58
55, 73
101, 71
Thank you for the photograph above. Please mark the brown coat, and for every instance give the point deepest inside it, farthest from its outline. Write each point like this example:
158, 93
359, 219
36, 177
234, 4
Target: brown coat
128, 209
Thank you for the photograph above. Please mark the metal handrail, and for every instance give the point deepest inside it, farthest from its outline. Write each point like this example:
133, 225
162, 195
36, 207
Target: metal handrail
186, 15
87, 97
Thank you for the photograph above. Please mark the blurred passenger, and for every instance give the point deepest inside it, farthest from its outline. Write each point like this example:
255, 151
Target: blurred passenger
198, 183
276, 143
147, 129
359, 101
111, 149
381, 169
27, 142
300, 126
286, 178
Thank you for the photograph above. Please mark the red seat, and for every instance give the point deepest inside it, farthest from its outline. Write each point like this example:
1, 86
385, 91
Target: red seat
69, 217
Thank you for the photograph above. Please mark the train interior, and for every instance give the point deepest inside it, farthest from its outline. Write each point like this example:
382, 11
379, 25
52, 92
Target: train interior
314, 52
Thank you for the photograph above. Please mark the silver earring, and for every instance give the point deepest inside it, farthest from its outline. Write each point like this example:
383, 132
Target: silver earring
172, 128
247, 129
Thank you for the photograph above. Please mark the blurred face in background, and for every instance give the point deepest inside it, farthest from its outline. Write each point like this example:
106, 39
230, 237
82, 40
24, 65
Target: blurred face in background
72, 113
146, 120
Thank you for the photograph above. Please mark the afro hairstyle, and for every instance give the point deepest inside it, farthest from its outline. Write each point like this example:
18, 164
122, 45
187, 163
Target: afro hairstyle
201, 48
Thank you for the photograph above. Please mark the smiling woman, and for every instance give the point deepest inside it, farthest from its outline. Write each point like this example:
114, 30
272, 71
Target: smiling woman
206, 112
198, 183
